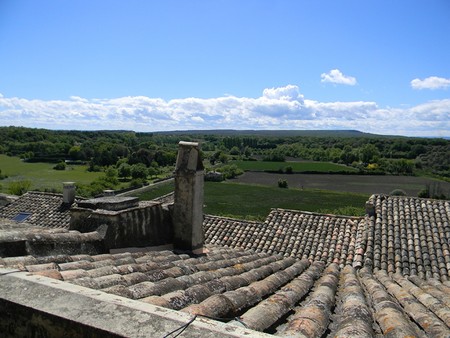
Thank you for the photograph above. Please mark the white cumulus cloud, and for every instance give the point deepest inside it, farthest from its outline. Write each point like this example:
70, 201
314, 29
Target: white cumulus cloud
432, 82
288, 93
336, 76
276, 108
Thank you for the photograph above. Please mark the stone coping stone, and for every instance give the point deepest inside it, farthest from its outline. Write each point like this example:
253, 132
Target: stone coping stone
101, 312
111, 203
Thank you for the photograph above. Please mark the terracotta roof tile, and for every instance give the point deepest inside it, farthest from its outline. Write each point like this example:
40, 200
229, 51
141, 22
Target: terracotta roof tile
312, 318
297, 273
269, 293
355, 317
47, 209
410, 236
270, 310
291, 233
421, 314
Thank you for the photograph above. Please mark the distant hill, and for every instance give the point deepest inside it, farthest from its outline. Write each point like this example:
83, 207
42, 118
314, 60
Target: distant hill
23, 133
274, 133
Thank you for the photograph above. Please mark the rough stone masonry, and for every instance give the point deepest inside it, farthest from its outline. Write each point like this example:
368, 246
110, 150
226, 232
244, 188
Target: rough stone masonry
188, 204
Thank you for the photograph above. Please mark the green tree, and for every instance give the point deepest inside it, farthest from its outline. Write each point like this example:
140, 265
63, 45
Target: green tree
348, 155
60, 166
288, 170
165, 158
247, 152
75, 152
124, 170
110, 172
282, 183
235, 151
275, 155
152, 172
368, 153
143, 156
154, 169
230, 171
139, 170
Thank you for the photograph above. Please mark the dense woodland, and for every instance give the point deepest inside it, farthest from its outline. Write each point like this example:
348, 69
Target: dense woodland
138, 155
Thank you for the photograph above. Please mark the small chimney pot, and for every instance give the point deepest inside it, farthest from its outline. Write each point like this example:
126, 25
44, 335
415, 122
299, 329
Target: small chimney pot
108, 193
68, 192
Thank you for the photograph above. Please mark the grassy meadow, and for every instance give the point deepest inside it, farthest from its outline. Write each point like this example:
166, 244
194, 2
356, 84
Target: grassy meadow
42, 175
299, 167
253, 202
157, 191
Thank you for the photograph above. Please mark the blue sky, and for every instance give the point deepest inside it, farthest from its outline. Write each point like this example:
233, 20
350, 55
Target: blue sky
375, 66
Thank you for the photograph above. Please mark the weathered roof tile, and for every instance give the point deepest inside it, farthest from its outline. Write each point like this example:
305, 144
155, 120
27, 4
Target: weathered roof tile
422, 315
267, 293
312, 318
410, 236
46, 209
291, 233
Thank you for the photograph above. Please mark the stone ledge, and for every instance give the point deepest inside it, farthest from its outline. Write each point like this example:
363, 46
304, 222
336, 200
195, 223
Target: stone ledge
111, 203
40, 304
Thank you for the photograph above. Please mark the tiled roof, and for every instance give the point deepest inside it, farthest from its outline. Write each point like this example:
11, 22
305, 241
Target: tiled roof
296, 274
47, 209
291, 233
410, 236
270, 293
406, 235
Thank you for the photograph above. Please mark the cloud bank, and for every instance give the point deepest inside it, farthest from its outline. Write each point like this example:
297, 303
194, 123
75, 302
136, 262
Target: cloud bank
277, 108
432, 82
336, 76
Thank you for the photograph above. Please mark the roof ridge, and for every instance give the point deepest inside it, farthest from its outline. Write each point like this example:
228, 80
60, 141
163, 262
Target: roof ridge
34, 192
387, 196
47, 193
233, 219
318, 213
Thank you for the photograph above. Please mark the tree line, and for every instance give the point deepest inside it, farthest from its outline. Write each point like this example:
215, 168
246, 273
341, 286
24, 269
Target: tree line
125, 149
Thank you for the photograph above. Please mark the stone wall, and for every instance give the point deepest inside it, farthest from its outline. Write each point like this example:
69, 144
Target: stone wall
148, 224
37, 306
23, 321
21, 239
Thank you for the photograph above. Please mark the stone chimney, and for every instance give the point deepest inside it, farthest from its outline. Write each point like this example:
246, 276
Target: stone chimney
188, 204
108, 193
68, 192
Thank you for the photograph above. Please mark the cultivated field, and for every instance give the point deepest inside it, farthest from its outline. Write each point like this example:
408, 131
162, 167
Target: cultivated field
255, 202
297, 166
363, 184
249, 201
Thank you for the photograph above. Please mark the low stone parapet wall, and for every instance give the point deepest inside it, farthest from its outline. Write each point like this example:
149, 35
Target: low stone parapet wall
37, 306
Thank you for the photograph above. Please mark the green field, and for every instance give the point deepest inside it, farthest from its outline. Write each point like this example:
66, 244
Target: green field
246, 201
41, 175
157, 191
298, 167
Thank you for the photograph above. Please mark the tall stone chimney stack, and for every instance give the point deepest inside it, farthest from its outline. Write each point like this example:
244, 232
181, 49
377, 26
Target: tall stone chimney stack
188, 204
68, 192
